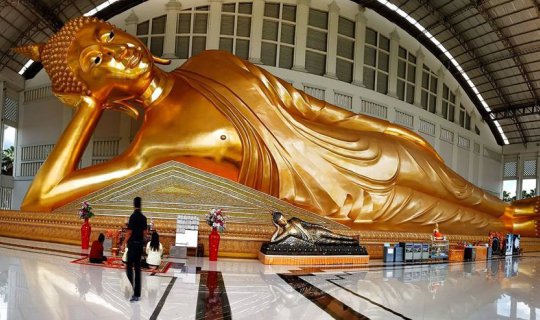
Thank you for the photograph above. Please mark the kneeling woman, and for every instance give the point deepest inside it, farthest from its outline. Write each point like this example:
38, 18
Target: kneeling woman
96, 252
154, 250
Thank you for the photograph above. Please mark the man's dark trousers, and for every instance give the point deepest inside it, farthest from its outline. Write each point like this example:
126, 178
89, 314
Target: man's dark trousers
135, 249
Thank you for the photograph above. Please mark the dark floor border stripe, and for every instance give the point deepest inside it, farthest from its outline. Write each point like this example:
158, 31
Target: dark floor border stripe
42, 248
37, 252
161, 302
329, 304
332, 281
217, 288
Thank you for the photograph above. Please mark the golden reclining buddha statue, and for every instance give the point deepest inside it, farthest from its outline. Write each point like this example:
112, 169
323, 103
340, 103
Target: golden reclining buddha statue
231, 118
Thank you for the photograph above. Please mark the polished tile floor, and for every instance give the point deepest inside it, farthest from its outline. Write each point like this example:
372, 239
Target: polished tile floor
37, 281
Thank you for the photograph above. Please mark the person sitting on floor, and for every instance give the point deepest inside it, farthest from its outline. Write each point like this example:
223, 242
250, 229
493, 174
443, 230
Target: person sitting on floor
96, 252
154, 250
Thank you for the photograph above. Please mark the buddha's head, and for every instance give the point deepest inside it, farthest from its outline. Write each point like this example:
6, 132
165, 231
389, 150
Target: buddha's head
90, 57
279, 218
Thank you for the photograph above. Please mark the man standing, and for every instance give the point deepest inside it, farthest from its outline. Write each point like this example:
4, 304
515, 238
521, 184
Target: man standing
135, 235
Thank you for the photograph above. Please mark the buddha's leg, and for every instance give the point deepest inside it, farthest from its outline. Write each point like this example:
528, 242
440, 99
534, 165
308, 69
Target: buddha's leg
405, 209
333, 236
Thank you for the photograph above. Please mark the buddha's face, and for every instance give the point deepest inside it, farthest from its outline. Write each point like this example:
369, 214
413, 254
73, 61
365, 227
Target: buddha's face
281, 221
112, 63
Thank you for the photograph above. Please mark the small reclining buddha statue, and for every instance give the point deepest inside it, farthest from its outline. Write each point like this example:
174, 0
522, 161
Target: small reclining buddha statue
312, 234
231, 118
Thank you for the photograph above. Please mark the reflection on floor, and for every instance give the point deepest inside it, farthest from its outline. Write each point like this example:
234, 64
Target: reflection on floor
38, 282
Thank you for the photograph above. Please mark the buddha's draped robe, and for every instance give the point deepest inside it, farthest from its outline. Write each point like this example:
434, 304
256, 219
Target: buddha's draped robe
336, 163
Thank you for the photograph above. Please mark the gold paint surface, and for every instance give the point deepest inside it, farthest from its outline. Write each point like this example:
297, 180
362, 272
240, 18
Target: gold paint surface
233, 119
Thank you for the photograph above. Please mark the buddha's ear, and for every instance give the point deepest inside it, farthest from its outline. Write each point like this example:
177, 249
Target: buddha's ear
32, 51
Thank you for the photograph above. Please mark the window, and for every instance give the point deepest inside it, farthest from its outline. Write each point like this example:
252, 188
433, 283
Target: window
464, 118
191, 29
406, 75
448, 104
509, 190
8, 150
279, 26
317, 35
236, 28
376, 61
345, 50
152, 34
428, 99
528, 188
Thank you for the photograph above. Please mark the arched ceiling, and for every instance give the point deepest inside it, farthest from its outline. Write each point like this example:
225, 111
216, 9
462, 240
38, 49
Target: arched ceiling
491, 46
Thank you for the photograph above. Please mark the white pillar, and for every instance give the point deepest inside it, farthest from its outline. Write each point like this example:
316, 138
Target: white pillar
2, 102
359, 43
214, 25
332, 37
125, 132
438, 98
302, 16
172, 8
392, 73
537, 173
131, 23
519, 177
255, 43
470, 174
458, 103
418, 78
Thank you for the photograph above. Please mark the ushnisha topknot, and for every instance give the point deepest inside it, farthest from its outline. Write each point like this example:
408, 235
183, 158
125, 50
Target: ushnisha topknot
54, 56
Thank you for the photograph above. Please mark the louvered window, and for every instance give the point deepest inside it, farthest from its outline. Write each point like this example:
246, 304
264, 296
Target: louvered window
279, 26
376, 61
406, 75
428, 99
345, 50
317, 35
236, 28
191, 29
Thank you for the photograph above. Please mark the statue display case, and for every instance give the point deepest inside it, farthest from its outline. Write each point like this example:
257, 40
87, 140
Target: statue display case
439, 249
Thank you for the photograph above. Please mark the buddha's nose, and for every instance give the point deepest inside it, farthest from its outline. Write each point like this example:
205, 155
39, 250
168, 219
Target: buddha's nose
118, 52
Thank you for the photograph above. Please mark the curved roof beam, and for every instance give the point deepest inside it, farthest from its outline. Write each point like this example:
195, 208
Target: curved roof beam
401, 15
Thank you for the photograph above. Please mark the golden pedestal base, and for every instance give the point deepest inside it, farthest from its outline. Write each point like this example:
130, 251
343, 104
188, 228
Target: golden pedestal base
312, 260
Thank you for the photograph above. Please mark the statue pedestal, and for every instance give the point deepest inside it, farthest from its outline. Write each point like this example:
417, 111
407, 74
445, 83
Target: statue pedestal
313, 260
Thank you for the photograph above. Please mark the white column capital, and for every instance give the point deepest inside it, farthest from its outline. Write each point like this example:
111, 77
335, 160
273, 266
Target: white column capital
304, 2
395, 35
440, 72
361, 17
132, 18
173, 5
333, 7
420, 54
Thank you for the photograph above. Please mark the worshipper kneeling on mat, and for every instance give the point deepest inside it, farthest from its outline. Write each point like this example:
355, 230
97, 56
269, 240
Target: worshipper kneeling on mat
96, 252
154, 250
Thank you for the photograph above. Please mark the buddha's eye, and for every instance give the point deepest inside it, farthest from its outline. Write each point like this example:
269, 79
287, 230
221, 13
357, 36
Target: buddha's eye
96, 60
108, 36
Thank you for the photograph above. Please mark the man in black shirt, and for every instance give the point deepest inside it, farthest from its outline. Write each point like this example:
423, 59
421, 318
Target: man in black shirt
135, 236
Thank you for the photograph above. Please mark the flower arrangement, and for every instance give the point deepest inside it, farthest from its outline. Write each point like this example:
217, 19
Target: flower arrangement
216, 219
86, 211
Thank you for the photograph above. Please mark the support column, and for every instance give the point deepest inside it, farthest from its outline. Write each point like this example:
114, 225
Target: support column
519, 175
418, 78
392, 74
256, 31
470, 174
537, 173
172, 8
214, 25
302, 16
131, 23
359, 43
2, 102
125, 132
457, 108
331, 43
438, 99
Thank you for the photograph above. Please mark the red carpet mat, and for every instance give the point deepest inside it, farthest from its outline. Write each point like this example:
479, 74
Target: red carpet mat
116, 263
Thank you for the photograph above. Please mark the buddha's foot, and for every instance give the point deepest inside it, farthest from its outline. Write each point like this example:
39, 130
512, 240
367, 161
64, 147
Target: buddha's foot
529, 228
